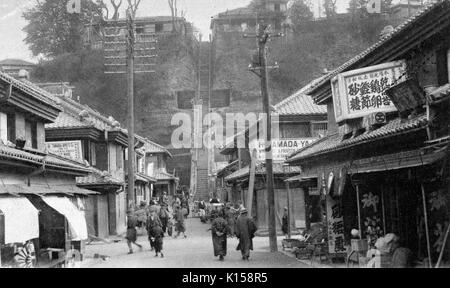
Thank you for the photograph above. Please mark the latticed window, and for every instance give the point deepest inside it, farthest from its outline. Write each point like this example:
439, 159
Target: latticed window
319, 129
295, 130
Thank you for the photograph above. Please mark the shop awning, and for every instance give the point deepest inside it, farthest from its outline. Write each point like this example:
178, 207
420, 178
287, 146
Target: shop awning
402, 160
302, 178
44, 190
21, 219
76, 218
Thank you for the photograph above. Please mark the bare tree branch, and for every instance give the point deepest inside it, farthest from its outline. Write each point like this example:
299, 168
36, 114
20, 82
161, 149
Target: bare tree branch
134, 6
116, 9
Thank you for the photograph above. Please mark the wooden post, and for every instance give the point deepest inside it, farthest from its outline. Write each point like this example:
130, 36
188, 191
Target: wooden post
289, 208
359, 212
443, 247
262, 41
382, 207
130, 95
425, 215
2, 234
251, 186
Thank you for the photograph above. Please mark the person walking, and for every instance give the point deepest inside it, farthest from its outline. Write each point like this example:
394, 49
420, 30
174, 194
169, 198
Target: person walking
132, 223
164, 217
185, 206
180, 225
285, 222
156, 238
245, 231
152, 222
220, 230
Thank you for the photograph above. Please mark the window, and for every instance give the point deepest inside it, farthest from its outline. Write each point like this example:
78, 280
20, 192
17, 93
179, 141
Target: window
319, 129
119, 157
3, 127
11, 123
295, 130
277, 7
442, 63
159, 27
140, 30
31, 134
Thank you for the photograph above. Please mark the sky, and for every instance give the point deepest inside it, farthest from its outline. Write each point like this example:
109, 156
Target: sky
197, 11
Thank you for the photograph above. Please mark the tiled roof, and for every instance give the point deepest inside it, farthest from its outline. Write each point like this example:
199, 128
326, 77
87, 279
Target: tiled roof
164, 176
440, 93
397, 31
144, 178
151, 147
16, 189
49, 160
278, 169
300, 104
30, 89
15, 62
334, 142
66, 120
98, 178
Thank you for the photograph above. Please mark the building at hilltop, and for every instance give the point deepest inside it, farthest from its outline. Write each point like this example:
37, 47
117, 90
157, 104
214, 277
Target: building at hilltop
12, 67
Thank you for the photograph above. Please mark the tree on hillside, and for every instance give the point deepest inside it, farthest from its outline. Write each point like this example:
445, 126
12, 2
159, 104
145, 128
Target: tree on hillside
52, 31
368, 25
330, 8
299, 12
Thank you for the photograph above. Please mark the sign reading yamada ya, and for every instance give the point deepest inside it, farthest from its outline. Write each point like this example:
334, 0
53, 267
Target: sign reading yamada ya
361, 92
281, 148
67, 149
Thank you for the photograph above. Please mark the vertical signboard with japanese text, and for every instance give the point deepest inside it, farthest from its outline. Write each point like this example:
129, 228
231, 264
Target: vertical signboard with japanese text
335, 223
361, 92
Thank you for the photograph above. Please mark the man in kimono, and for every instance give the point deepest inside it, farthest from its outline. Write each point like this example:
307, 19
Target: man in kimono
132, 223
245, 231
179, 219
152, 221
220, 230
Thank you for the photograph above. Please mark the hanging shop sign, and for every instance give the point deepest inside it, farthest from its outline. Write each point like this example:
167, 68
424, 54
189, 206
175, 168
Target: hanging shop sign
67, 149
335, 221
281, 148
361, 92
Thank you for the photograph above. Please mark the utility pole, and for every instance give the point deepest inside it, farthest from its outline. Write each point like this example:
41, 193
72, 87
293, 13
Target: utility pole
196, 102
123, 57
130, 95
263, 37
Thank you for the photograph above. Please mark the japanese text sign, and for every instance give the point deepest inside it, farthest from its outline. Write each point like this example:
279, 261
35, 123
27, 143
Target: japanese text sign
335, 221
361, 92
281, 148
67, 149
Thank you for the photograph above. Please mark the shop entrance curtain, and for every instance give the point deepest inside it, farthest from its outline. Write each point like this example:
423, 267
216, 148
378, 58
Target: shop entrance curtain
76, 219
21, 219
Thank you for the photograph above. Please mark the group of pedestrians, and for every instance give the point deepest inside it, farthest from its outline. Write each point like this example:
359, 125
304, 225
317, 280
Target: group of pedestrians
159, 222
225, 224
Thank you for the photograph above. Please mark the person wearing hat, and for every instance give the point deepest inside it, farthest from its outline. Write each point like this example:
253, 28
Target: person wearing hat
179, 219
285, 222
152, 221
220, 230
164, 216
245, 231
132, 223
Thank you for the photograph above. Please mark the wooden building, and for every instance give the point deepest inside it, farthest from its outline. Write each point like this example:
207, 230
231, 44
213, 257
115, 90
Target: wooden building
383, 167
155, 162
85, 135
40, 204
301, 123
